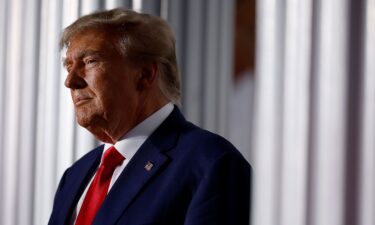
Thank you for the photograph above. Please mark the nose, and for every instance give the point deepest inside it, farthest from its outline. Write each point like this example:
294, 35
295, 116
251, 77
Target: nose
74, 80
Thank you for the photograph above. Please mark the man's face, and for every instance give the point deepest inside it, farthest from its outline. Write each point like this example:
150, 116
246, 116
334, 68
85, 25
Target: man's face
103, 83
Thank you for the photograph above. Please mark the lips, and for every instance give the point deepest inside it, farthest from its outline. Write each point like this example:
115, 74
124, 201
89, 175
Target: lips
80, 99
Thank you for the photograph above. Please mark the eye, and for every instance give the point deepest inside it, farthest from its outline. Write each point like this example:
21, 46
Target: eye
90, 61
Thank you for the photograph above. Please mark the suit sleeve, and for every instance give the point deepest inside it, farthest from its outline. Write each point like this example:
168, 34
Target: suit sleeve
56, 199
61, 184
223, 194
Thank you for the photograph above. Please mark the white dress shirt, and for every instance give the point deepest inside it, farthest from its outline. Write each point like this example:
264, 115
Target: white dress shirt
129, 144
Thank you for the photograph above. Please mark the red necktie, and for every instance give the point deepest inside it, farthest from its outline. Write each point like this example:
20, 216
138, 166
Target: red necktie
99, 187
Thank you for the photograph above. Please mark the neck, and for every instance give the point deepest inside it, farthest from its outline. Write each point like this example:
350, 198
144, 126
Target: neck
111, 134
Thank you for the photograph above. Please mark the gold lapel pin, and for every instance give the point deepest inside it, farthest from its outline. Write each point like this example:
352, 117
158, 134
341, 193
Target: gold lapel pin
149, 166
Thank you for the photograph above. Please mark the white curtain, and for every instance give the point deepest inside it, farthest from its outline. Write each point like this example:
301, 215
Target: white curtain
315, 105
314, 134
39, 137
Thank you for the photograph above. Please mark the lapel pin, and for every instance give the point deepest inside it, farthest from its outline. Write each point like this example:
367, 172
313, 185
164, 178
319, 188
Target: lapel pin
149, 166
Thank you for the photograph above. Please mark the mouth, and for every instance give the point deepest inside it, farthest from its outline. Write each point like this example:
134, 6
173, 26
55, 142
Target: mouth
80, 98
81, 101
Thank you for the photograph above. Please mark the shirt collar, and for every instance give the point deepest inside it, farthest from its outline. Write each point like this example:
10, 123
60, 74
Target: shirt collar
132, 141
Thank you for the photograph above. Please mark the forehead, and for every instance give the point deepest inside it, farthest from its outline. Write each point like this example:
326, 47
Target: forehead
92, 40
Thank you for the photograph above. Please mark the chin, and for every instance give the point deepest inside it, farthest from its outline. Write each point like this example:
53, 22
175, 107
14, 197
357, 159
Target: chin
87, 117
84, 121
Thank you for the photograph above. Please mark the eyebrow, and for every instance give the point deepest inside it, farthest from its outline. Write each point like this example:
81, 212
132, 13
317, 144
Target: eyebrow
80, 55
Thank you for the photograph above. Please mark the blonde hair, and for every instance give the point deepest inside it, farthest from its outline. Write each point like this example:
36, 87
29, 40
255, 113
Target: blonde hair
142, 38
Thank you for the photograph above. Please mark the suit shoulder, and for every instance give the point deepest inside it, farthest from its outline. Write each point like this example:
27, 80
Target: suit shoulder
203, 155
203, 142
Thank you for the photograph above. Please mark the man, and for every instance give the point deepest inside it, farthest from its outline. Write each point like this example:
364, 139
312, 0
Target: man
155, 167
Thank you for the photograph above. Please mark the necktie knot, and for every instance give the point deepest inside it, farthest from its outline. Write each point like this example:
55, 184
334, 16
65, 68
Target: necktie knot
112, 158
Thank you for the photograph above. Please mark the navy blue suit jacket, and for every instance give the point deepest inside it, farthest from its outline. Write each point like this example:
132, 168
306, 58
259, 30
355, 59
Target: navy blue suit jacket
198, 178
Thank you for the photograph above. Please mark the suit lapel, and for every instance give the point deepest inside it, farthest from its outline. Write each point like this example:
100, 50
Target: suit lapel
146, 163
131, 181
81, 175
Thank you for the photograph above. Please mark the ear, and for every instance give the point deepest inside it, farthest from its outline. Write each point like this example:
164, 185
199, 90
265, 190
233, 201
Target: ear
148, 76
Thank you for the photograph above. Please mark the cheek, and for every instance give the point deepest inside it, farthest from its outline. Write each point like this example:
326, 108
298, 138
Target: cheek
108, 94
112, 86
97, 82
